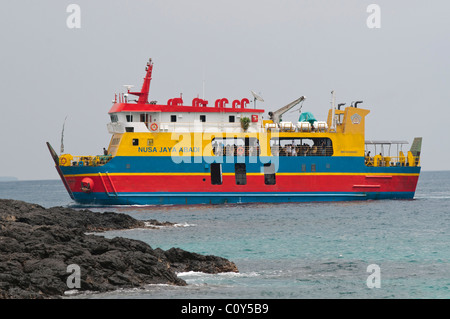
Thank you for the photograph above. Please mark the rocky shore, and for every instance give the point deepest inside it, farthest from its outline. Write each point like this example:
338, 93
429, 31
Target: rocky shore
45, 252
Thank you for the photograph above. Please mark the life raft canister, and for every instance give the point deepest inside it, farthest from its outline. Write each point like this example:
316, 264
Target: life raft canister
154, 126
87, 185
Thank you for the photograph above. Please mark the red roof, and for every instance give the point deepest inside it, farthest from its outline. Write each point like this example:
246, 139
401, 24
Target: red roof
128, 107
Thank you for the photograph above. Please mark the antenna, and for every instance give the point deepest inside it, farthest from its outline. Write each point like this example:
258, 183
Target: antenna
333, 112
203, 83
128, 86
256, 97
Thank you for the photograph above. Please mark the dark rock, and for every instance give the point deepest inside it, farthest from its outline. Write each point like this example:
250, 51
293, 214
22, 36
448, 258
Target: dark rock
37, 245
182, 261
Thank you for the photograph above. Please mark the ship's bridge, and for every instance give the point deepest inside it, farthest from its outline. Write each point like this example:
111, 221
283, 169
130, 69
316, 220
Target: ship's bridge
176, 117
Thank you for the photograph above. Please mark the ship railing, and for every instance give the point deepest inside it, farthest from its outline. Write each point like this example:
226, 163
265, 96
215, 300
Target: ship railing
392, 161
204, 127
300, 150
300, 127
213, 127
97, 160
236, 150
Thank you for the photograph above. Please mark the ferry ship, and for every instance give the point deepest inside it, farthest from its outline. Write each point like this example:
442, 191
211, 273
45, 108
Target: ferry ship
230, 151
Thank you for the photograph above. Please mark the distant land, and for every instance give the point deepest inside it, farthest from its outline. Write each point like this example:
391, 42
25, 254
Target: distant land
8, 178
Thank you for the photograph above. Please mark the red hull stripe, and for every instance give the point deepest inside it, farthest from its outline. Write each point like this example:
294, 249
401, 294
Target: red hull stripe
255, 183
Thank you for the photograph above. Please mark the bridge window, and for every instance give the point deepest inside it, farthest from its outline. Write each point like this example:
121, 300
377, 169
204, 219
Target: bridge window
231, 119
202, 118
129, 118
173, 118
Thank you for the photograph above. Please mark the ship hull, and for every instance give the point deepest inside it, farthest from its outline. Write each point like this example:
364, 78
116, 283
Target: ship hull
160, 181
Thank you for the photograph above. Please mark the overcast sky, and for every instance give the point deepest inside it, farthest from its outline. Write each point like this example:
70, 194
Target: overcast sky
280, 49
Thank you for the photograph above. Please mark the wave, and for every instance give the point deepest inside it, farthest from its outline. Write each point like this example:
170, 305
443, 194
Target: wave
222, 274
432, 197
185, 224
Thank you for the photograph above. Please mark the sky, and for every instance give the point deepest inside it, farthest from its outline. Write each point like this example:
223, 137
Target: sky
280, 49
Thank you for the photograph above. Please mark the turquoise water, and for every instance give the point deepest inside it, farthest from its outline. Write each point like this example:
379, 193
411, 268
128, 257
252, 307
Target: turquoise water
304, 250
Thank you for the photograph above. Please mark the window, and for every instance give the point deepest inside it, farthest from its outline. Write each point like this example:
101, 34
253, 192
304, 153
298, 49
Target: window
149, 142
299, 146
235, 146
129, 129
240, 174
216, 174
135, 141
129, 118
145, 118
202, 118
114, 118
173, 118
303, 168
269, 174
231, 119
313, 167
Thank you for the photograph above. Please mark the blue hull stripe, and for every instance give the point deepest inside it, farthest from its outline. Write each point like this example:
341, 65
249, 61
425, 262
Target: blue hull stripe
220, 198
300, 164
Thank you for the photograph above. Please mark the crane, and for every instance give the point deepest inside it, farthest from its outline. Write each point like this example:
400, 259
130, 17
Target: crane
276, 115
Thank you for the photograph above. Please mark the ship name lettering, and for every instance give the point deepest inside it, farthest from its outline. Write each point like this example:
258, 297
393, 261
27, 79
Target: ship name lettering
168, 149
147, 149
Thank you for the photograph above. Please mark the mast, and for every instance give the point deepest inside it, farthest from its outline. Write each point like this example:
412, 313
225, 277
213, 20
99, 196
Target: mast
143, 95
333, 108
62, 137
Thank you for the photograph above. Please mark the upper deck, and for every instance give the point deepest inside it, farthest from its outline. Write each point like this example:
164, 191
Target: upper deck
129, 117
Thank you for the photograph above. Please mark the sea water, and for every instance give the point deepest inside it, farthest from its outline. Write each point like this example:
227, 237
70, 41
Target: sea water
295, 250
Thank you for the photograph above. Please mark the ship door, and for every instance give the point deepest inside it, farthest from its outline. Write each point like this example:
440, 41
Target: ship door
216, 174
147, 119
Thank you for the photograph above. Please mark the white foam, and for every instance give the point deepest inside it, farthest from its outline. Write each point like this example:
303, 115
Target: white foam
184, 225
222, 274
149, 224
